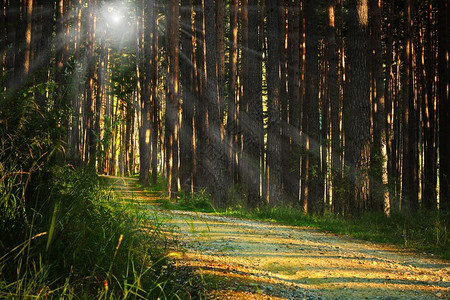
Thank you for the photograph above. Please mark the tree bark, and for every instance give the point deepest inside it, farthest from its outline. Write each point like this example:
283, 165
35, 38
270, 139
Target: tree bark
215, 152
188, 106
444, 105
333, 98
173, 104
155, 124
75, 139
220, 42
409, 126
145, 90
429, 115
285, 133
90, 139
251, 115
273, 103
200, 111
313, 181
232, 118
389, 102
294, 100
357, 107
378, 186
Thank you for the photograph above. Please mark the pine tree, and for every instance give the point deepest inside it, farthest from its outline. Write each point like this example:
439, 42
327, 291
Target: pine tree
357, 108
273, 86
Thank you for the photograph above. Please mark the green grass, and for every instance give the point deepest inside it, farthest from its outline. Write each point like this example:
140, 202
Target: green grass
200, 202
159, 187
424, 231
75, 240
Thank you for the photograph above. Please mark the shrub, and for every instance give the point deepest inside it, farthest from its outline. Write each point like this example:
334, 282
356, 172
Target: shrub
82, 243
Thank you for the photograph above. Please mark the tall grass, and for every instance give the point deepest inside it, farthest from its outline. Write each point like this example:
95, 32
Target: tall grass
61, 234
77, 241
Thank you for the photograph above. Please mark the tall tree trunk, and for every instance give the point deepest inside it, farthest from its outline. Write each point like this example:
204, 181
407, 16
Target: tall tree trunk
129, 124
154, 95
397, 129
429, 116
294, 100
232, 118
99, 99
409, 126
220, 42
75, 139
215, 152
12, 22
59, 45
173, 102
90, 139
188, 107
3, 41
325, 127
147, 70
273, 104
28, 32
20, 48
378, 186
262, 76
243, 83
200, 110
313, 181
333, 98
144, 52
107, 131
444, 105
285, 133
389, 101
251, 114
357, 107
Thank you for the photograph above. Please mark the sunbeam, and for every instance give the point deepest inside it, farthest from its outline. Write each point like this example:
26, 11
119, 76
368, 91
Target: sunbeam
117, 23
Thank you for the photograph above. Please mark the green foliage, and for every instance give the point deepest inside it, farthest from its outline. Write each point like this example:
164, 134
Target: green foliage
160, 188
236, 197
62, 236
30, 140
423, 231
124, 76
426, 231
161, 184
199, 201
105, 143
83, 243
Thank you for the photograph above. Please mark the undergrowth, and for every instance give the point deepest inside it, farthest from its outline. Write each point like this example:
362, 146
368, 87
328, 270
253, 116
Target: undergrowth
74, 239
200, 201
425, 231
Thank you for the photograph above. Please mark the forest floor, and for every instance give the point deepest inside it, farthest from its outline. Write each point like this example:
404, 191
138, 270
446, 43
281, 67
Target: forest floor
245, 259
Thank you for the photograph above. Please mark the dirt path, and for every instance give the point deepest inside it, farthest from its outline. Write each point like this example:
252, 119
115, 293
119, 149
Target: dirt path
243, 259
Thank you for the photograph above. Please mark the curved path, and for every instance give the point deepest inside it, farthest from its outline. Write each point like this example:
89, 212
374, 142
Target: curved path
243, 259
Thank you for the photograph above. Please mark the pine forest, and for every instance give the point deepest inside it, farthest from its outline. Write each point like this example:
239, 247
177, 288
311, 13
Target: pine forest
321, 109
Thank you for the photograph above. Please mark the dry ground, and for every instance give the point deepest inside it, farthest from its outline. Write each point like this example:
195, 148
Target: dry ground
243, 259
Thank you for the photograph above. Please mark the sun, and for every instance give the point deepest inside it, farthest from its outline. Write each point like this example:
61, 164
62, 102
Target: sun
116, 23
114, 17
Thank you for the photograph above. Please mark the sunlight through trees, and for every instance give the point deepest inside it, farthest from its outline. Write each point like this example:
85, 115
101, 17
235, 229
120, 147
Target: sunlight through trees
325, 106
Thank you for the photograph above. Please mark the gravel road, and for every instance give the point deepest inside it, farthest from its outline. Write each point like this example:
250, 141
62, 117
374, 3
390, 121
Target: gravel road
243, 259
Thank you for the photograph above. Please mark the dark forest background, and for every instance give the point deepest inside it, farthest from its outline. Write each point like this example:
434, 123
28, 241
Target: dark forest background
331, 108
327, 106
